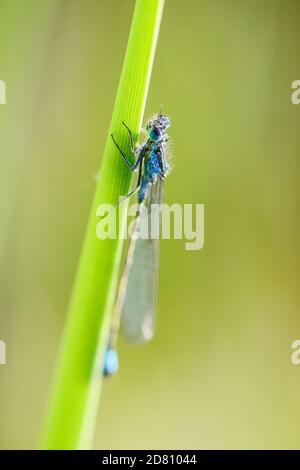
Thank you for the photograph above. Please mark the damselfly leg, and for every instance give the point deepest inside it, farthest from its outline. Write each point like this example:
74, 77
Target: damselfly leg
138, 164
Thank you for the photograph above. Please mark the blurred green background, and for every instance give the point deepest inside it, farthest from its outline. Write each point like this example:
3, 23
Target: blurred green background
218, 373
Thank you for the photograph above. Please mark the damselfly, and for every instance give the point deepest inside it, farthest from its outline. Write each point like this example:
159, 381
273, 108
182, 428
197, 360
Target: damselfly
136, 298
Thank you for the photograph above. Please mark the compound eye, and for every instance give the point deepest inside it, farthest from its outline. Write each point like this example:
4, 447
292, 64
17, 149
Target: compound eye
154, 133
165, 121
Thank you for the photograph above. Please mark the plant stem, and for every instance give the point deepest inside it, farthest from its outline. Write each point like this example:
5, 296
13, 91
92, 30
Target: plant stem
76, 392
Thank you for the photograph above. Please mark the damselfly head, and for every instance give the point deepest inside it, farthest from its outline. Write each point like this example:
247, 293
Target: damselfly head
157, 126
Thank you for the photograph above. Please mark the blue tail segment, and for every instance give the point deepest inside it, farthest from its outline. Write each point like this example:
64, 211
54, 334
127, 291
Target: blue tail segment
111, 362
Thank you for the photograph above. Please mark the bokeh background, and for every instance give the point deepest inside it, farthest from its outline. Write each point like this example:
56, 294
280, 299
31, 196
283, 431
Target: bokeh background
218, 373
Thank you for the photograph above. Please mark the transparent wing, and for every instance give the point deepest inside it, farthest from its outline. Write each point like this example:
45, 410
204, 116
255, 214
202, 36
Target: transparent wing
138, 305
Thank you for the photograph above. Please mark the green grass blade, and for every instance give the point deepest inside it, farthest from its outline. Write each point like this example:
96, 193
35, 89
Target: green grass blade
76, 392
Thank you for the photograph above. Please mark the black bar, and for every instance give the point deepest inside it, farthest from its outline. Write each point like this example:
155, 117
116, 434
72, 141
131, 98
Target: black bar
137, 458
